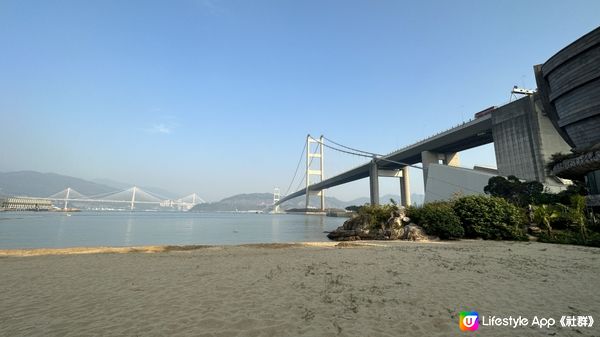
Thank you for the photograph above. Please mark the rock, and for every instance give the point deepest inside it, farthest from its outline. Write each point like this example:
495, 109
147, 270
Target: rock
535, 230
395, 228
414, 233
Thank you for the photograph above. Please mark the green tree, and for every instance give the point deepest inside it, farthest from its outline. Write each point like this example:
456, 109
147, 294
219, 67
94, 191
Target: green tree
543, 215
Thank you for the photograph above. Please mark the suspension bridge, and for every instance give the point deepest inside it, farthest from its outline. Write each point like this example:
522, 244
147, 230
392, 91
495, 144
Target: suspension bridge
520, 130
129, 198
314, 178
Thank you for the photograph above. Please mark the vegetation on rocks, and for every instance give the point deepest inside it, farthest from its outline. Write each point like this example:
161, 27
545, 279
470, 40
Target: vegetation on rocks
513, 210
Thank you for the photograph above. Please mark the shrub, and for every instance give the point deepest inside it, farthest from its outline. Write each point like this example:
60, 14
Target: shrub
437, 219
571, 238
490, 218
544, 215
514, 190
376, 215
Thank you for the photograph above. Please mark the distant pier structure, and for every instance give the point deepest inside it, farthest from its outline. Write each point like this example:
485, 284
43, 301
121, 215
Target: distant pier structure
25, 204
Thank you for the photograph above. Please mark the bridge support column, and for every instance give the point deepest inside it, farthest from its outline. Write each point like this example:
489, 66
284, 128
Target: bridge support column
276, 198
402, 174
430, 157
133, 198
374, 183
405, 187
309, 171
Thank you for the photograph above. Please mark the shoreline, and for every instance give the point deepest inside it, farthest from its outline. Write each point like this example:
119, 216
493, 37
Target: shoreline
151, 249
26, 252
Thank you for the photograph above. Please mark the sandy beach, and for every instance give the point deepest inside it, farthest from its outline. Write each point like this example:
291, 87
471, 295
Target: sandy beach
366, 289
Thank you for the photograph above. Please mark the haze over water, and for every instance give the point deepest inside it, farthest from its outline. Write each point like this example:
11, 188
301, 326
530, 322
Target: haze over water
90, 229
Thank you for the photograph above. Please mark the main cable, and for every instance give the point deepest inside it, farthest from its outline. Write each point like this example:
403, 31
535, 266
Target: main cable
297, 168
353, 149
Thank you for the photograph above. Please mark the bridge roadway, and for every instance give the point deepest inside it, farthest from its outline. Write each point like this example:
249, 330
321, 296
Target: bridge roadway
471, 134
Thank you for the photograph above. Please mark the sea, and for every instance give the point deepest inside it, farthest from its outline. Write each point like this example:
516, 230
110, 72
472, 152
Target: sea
27, 230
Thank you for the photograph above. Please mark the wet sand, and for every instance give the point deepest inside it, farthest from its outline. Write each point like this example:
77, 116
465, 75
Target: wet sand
365, 289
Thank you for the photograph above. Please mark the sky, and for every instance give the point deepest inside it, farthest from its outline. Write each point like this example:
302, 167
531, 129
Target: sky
217, 97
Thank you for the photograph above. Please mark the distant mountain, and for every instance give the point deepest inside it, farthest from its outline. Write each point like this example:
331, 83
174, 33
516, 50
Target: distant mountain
263, 201
157, 191
239, 202
36, 184
415, 198
257, 201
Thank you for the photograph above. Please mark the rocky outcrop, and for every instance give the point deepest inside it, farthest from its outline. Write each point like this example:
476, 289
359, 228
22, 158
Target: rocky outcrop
413, 232
361, 227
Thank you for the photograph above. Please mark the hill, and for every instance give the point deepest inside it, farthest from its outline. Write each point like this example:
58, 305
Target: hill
239, 202
36, 184
263, 201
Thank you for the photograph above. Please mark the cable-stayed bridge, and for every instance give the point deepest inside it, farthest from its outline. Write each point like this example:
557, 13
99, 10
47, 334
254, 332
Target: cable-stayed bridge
129, 198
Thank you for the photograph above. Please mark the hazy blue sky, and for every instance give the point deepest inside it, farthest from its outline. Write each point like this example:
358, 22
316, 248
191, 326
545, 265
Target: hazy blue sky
217, 97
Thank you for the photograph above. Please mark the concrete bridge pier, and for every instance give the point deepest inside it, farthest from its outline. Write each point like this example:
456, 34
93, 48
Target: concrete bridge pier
430, 157
374, 182
402, 174
405, 187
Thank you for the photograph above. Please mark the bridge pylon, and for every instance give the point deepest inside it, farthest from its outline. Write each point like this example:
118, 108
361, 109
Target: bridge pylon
276, 198
312, 172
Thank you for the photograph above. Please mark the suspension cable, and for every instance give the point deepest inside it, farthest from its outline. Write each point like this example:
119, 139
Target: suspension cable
353, 149
297, 168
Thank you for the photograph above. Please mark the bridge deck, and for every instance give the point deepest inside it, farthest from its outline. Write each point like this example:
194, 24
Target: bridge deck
463, 137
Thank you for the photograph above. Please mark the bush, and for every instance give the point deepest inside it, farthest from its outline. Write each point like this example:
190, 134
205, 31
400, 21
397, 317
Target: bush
376, 215
437, 219
571, 238
490, 218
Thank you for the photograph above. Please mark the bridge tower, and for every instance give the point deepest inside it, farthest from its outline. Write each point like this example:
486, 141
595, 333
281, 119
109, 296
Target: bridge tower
311, 172
276, 198
133, 197
67, 198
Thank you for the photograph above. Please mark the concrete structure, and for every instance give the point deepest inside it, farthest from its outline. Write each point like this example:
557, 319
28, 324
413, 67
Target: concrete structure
569, 84
524, 140
310, 171
428, 158
276, 197
25, 204
445, 182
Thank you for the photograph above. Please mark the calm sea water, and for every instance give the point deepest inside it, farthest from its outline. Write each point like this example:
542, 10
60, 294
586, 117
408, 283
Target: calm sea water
88, 229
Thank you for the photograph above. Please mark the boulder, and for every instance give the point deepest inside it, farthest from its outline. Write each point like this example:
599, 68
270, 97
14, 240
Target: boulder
395, 228
414, 232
